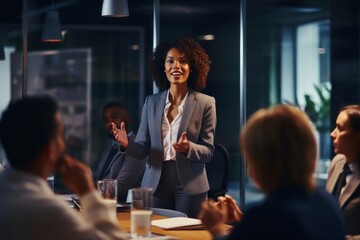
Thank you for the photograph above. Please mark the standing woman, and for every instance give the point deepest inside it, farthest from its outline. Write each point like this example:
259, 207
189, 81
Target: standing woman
177, 127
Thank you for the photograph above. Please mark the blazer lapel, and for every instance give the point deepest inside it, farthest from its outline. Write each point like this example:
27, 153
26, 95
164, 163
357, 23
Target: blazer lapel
106, 162
157, 124
350, 188
117, 155
332, 181
189, 107
103, 157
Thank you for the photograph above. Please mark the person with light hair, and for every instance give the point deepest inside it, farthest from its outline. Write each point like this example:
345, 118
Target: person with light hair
280, 150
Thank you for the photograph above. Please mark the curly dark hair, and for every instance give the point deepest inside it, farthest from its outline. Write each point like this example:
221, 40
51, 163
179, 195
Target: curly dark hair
196, 56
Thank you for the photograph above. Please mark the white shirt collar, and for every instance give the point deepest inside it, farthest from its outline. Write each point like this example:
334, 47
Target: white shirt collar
168, 103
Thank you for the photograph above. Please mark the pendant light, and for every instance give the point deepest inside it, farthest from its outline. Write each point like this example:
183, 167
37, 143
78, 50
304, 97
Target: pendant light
52, 29
115, 8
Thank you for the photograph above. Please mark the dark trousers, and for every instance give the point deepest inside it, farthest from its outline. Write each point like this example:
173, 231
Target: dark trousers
170, 194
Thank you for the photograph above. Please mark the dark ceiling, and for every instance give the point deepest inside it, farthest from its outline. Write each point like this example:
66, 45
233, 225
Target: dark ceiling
200, 12
89, 11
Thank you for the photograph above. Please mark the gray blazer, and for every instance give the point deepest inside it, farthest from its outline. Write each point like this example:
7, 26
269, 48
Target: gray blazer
198, 121
352, 189
127, 170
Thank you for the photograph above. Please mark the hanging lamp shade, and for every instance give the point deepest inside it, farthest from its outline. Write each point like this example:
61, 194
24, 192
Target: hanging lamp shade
115, 8
52, 29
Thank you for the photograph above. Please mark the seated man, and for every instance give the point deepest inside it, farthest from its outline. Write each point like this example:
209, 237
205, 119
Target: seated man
114, 164
343, 178
32, 134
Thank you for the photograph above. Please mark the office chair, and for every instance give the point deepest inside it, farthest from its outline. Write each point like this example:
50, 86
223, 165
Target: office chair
217, 171
160, 211
168, 212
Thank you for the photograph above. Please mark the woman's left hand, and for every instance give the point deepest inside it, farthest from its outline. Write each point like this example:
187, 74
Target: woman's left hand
182, 145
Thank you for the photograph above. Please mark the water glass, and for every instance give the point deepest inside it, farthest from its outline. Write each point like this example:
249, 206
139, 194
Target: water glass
141, 204
108, 190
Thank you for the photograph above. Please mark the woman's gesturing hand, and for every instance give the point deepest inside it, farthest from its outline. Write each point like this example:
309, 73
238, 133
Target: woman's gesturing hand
120, 135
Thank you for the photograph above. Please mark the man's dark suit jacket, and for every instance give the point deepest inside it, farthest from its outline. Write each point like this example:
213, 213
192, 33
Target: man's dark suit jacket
127, 170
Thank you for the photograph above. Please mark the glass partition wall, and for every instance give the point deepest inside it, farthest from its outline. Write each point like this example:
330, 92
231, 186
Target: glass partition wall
101, 59
288, 61
284, 58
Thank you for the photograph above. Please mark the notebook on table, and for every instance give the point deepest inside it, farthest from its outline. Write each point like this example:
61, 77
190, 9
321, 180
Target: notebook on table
178, 223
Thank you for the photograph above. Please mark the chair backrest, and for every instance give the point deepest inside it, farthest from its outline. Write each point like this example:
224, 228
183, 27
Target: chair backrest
168, 212
217, 171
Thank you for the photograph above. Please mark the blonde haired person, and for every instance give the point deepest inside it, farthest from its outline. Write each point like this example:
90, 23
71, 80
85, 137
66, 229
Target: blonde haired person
280, 149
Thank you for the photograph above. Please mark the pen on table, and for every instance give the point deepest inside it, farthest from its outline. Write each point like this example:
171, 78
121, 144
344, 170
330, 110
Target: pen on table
76, 203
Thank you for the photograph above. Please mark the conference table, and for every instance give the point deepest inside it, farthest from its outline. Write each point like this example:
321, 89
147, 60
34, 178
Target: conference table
124, 223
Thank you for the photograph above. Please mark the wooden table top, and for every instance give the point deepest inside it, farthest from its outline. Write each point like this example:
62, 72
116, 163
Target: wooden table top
124, 223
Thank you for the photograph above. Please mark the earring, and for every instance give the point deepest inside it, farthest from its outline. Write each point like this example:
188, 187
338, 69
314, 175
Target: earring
164, 70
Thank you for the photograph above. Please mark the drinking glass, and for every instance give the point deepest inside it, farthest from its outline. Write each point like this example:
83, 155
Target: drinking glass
108, 190
141, 204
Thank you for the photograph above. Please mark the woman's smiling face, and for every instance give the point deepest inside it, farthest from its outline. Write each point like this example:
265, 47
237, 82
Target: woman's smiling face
177, 68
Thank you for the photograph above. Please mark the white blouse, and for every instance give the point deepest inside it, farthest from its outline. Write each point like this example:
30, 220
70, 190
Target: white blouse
170, 131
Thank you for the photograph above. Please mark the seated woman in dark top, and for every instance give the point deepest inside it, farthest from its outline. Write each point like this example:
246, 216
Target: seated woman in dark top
279, 147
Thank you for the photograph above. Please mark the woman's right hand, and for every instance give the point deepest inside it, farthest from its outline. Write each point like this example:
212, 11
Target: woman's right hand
120, 135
